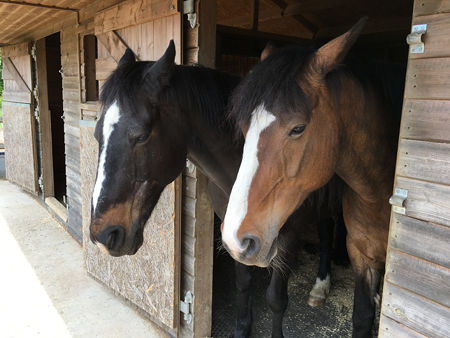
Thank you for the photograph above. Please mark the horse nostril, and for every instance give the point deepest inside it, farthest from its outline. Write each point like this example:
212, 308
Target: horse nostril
112, 237
251, 244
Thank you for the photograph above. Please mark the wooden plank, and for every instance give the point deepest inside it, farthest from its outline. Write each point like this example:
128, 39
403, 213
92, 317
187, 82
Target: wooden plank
16, 97
188, 245
104, 67
131, 13
424, 160
437, 37
73, 194
419, 276
189, 186
390, 328
417, 237
72, 141
71, 95
23, 86
73, 163
428, 79
188, 225
188, 263
73, 130
115, 46
426, 120
426, 201
16, 50
44, 119
428, 7
416, 312
72, 152
73, 175
207, 19
189, 206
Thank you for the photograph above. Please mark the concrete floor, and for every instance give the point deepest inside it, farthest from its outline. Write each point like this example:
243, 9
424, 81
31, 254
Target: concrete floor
45, 291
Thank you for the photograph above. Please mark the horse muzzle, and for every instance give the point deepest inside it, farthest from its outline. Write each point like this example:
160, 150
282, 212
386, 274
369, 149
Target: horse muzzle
113, 241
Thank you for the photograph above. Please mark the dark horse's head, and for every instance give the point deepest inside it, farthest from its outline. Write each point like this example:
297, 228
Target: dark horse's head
134, 151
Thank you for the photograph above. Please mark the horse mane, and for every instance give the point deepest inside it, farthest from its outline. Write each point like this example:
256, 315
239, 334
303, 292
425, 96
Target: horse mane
196, 88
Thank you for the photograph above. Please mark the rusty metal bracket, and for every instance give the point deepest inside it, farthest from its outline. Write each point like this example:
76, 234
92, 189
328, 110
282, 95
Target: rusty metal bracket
414, 39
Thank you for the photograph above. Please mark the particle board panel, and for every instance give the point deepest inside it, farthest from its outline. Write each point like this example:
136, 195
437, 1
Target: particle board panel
149, 278
426, 120
426, 201
421, 239
436, 38
416, 312
390, 328
428, 79
419, 276
20, 148
424, 160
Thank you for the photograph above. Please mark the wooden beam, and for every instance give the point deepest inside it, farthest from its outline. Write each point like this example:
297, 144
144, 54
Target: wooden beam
254, 14
298, 17
114, 45
16, 50
16, 75
22, 3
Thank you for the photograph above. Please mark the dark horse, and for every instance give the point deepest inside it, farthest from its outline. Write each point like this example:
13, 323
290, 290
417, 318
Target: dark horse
155, 115
306, 115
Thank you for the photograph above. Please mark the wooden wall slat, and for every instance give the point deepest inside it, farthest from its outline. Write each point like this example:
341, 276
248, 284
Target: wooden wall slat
424, 119
430, 280
426, 201
428, 7
16, 50
424, 160
418, 313
104, 67
428, 79
421, 239
436, 38
390, 328
189, 206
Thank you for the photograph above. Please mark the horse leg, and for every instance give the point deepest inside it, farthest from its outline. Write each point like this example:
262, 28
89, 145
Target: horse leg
319, 293
340, 254
367, 284
277, 295
244, 318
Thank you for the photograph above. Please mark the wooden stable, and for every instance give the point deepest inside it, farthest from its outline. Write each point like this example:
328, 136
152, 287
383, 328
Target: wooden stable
54, 68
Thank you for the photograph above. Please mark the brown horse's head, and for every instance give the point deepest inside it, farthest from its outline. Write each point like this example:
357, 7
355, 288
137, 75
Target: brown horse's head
140, 152
291, 123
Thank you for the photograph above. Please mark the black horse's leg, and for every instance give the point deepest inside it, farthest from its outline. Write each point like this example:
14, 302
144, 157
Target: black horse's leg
243, 326
319, 293
340, 254
277, 295
367, 284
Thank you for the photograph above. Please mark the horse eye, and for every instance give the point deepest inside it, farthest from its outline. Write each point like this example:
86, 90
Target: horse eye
142, 138
297, 131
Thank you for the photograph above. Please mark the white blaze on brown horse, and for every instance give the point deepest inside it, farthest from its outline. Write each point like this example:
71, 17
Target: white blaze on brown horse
340, 119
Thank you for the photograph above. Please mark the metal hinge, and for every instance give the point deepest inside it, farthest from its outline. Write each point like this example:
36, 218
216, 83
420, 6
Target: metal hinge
36, 113
185, 307
41, 182
397, 200
414, 39
33, 51
188, 8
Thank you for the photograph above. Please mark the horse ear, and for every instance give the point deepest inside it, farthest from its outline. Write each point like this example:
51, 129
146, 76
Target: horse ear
161, 72
270, 48
332, 53
128, 57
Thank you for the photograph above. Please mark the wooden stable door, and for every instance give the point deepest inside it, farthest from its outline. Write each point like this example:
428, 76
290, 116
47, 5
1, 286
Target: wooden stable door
18, 117
150, 280
416, 294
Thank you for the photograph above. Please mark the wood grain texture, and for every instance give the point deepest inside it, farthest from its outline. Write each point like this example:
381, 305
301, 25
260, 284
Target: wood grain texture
436, 38
424, 160
429, 7
424, 240
16, 50
426, 279
418, 313
390, 328
20, 149
147, 278
426, 201
428, 79
426, 120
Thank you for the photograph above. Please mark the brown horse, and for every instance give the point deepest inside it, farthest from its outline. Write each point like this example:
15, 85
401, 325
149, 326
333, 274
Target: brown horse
306, 115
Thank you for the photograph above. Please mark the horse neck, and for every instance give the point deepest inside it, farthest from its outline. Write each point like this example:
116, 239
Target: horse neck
368, 145
210, 145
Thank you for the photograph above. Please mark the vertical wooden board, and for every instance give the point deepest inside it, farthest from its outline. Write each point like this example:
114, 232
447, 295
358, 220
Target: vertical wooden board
390, 328
421, 239
424, 160
416, 312
148, 278
426, 279
147, 42
20, 156
426, 120
164, 30
132, 37
426, 201
436, 38
428, 79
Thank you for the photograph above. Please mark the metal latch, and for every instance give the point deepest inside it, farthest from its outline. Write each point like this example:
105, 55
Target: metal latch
397, 200
188, 8
185, 308
414, 39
